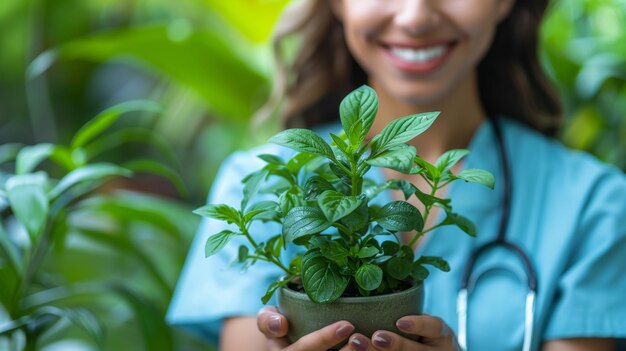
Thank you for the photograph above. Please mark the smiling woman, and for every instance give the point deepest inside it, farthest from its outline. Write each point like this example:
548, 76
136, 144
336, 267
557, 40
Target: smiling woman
476, 62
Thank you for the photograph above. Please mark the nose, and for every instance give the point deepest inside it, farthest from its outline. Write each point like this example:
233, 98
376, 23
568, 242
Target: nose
416, 16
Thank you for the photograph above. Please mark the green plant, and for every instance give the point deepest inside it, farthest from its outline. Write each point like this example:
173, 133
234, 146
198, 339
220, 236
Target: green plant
323, 202
66, 232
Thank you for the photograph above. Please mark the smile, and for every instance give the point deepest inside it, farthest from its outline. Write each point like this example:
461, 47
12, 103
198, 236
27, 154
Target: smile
419, 55
419, 60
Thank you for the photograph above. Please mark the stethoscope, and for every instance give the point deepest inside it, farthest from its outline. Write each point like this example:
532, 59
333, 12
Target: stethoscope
468, 282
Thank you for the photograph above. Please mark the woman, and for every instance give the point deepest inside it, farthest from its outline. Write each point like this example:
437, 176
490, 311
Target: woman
469, 59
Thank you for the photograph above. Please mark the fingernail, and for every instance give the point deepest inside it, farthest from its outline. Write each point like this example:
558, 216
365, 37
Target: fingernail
404, 325
273, 324
358, 343
345, 330
382, 340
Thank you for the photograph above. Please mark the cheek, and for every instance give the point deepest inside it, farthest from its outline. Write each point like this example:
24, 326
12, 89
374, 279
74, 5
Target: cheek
479, 32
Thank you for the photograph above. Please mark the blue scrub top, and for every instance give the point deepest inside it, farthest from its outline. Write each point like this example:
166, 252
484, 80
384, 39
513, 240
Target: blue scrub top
568, 212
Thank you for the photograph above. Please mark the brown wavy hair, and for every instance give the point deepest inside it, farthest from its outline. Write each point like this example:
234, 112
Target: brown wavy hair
309, 87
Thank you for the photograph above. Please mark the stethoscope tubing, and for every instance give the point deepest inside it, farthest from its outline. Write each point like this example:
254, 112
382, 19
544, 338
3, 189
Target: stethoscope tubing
499, 242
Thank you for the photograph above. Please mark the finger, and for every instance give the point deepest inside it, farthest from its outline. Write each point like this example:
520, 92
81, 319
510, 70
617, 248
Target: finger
388, 341
271, 323
275, 344
424, 325
358, 342
326, 337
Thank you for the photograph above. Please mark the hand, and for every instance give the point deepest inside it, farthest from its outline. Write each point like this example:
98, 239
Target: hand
275, 326
433, 332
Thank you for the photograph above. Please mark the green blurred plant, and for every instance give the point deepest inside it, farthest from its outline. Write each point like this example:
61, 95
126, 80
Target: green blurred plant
73, 249
583, 50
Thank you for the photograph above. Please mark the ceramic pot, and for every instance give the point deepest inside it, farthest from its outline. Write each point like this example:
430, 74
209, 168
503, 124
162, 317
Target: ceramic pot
367, 314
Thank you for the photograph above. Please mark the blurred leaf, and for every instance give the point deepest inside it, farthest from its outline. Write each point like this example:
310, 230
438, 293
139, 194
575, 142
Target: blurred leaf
8, 152
156, 333
255, 19
106, 118
166, 215
584, 128
122, 243
88, 322
127, 135
92, 172
217, 241
30, 157
28, 200
153, 167
201, 60
10, 251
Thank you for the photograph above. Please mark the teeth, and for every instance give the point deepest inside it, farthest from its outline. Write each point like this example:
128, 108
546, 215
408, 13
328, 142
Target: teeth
419, 55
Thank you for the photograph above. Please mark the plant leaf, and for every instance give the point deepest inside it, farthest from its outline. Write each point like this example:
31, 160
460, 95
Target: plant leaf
369, 276
303, 140
316, 185
431, 171
27, 197
479, 176
358, 219
336, 205
449, 159
303, 220
340, 143
399, 159
217, 241
88, 322
399, 216
113, 140
403, 185
272, 289
368, 251
272, 159
264, 210
436, 262
321, 278
430, 200
334, 251
399, 268
221, 212
251, 187
418, 272
106, 118
92, 172
9, 151
390, 247
158, 168
295, 164
402, 130
10, 251
462, 222
30, 157
358, 111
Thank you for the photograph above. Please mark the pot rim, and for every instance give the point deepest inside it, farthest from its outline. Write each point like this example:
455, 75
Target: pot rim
353, 299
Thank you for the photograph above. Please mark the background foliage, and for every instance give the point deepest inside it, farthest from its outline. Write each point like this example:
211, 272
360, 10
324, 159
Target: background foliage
206, 63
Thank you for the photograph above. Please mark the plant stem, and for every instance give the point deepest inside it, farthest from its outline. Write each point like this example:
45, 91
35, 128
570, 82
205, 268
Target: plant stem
36, 259
31, 341
354, 173
433, 190
269, 257
422, 233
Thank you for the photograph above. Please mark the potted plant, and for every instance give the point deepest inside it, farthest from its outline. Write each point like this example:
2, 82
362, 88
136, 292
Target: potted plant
352, 262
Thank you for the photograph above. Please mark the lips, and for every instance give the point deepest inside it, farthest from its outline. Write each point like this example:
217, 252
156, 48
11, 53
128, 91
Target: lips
422, 59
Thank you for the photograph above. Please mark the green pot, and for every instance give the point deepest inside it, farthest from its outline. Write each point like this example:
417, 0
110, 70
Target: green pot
367, 314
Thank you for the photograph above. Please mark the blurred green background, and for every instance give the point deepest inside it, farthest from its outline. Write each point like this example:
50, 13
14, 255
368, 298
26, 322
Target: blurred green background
207, 65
